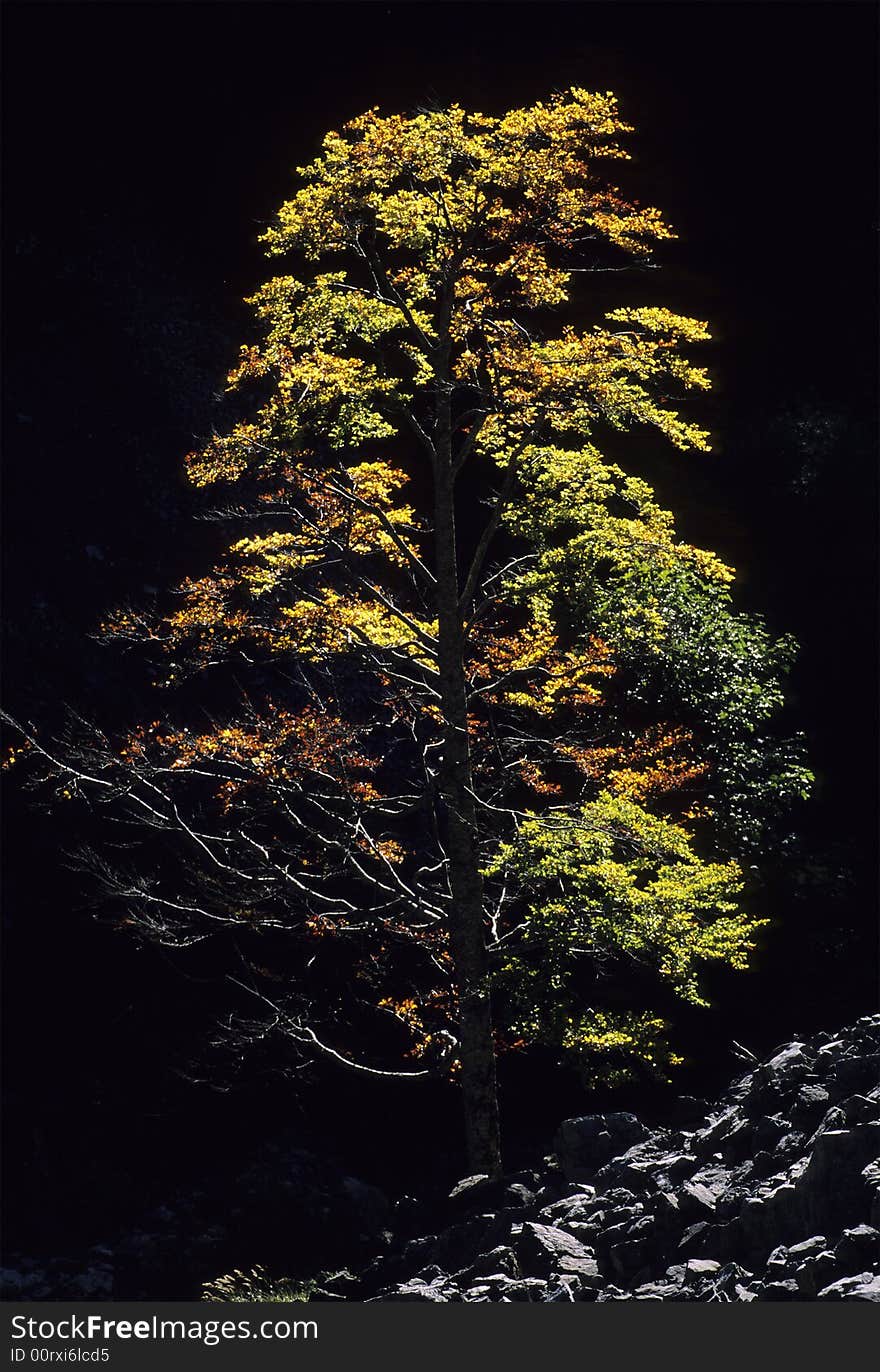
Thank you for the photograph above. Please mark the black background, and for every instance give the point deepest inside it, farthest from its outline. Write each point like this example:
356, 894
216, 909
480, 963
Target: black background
146, 147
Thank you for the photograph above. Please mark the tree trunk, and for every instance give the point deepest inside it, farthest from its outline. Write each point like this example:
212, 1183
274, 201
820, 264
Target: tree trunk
458, 826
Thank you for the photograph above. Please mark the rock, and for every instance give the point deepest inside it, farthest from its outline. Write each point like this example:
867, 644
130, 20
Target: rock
698, 1268
612, 1234
810, 1102
786, 1290
478, 1193
731, 1278
517, 1196
672, 1167
816, 1272
666, 1210
858, 1248
543, 1249
578, 1205
418, 1290
871, 1179
857, 1073
696, 1199
586, 1143
631, 1258
586, 1270
861, 1109
864, 1287
338, 1286
693, 1237
459, 1245
501, 1261
563, 1290
614, 1293
762, 1164
469, 1185
807, 1247
521, 1289
790, 1061
655, 1291
831, 1189
635, 1173
707, 1141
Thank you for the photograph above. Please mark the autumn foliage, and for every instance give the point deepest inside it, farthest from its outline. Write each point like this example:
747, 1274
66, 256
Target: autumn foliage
461, 734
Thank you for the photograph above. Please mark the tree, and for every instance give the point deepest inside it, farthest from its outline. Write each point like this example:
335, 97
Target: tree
442, 721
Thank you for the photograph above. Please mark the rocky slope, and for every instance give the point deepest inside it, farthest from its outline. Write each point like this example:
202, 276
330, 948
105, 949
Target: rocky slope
282, 1206
775, 1196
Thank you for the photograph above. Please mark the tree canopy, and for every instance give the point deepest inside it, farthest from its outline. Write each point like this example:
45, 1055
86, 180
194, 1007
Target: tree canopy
460, 747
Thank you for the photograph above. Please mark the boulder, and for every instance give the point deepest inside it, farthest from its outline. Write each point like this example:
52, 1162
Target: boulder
587, 1142
864, 1287
543, 1249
